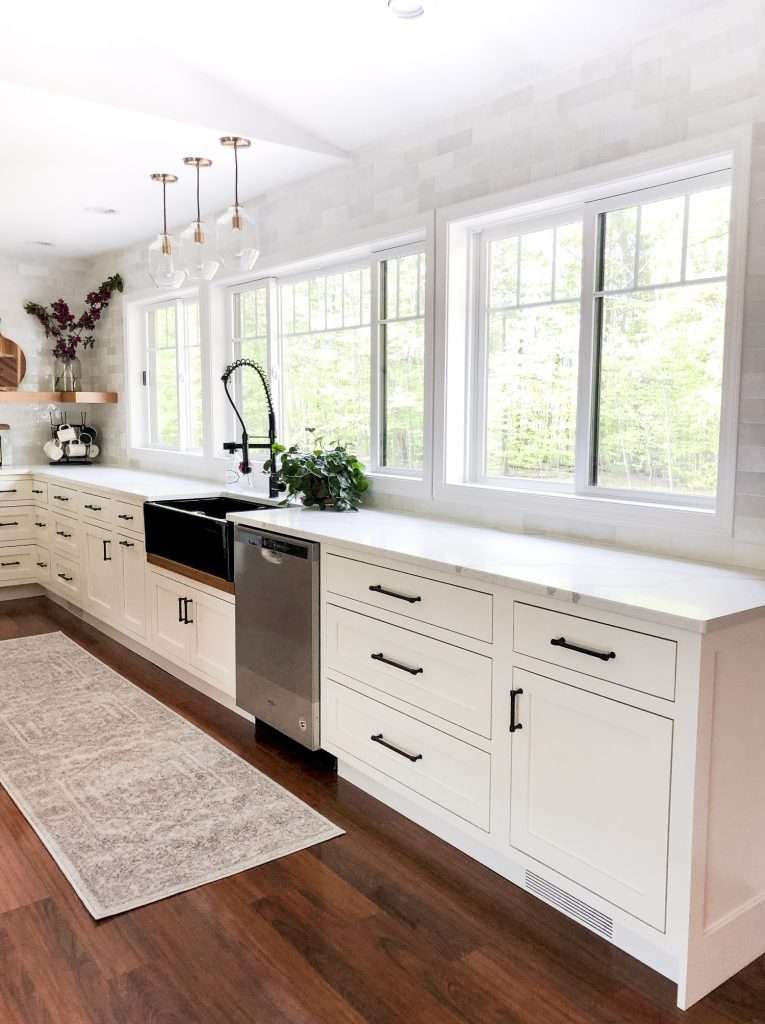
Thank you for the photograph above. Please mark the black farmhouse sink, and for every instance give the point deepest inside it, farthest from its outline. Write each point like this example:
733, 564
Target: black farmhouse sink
193, 533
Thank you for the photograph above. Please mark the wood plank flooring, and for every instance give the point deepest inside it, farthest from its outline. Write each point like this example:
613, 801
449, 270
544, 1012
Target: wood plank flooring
386, 924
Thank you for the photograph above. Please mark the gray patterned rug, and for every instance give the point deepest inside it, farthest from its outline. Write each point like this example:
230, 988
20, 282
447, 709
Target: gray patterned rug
133, 802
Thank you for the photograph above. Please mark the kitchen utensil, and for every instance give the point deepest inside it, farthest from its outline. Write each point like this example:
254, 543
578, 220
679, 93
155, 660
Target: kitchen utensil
93, 451
53, 451
66, 433
77, 450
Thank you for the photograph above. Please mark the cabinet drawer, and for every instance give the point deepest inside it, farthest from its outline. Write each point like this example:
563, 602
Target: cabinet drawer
65, 576
17, 564
64, 499
93, 506
17, 523
65, 536
39, 492
454, 775
441, 604
128, 517
445, 680
622, 656
42, 564
15, 490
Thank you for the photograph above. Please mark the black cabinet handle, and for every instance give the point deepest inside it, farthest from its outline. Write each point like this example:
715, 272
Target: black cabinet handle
60, 497
12, 490
378, 738
561, 642
126, 544
14, 523
377, 589
42, 565
186, 602
180, 609
94, 508
120, 516
36, 492
61, 533
63, 576
4, 564
515, 725
41, 525
396, 664
107, 558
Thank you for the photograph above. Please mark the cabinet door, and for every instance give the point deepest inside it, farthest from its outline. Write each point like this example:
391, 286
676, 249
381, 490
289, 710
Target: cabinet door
590, 792
102, 596
131, 567
169, 633
212, 639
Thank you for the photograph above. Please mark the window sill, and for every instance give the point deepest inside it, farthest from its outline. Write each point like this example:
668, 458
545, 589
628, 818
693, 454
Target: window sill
604, 510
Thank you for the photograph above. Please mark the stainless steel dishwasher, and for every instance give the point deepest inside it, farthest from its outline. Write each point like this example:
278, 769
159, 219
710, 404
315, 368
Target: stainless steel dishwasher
277, 631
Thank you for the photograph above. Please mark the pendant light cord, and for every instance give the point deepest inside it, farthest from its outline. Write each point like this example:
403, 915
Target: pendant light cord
199, 216
236, 178
164, 206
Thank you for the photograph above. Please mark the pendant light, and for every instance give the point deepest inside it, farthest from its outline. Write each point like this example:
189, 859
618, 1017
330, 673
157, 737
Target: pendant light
236, 234
163, 267
197, 253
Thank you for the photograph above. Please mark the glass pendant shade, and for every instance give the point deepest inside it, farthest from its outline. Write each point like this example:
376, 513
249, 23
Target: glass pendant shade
237, 240
197, 252
164, 268
198, 255
163, 265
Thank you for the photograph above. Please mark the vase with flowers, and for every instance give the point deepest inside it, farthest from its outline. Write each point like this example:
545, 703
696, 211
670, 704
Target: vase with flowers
69, 332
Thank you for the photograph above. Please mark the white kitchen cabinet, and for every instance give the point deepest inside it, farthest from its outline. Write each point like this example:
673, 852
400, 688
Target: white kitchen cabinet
169, 633
212, 639
590, 790
101, 579
130, 557
192, 628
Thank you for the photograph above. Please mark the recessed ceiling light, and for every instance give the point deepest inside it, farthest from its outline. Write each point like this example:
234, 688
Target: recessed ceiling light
104, 211
406, 8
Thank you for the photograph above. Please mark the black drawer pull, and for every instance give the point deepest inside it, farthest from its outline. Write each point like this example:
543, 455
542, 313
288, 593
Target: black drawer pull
94, 508
5, 564
378, 738
396, 664
392, 593
515, 725
11, 490
36, 492
107, 558
63, 576
561, 642
41, 525
126, 544
14, 523
61, 533
120, 516
42, 565
60, 497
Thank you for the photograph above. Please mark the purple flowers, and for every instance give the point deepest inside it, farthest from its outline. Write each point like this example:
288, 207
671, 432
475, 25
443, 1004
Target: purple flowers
68, 331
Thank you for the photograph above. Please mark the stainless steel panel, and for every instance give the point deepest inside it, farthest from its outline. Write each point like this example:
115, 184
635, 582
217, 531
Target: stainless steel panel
277, 631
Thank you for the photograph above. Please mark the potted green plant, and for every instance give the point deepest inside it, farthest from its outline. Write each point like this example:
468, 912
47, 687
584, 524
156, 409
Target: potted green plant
323, 477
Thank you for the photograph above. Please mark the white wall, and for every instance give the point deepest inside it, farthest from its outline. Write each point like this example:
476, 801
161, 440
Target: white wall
704, 75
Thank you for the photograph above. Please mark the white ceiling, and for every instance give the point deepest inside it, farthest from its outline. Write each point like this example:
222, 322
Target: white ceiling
96, 96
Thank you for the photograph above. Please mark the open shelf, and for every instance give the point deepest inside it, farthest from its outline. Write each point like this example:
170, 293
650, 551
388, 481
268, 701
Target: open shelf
71, 397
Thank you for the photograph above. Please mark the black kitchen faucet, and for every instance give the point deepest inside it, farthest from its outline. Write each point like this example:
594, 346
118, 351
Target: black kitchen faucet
275, 485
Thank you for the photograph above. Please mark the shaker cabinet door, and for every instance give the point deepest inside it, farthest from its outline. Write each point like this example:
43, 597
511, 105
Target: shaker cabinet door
131, 563
101, 579
590, 792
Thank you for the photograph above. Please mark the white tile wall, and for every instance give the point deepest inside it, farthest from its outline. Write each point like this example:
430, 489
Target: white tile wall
704, 74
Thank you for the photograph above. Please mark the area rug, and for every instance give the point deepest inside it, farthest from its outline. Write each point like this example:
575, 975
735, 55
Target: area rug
132, 801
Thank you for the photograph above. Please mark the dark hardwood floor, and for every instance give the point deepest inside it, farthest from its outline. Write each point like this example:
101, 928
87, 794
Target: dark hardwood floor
385, 924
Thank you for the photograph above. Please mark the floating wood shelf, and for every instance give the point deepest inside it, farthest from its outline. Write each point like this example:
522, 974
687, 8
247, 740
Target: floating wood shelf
73, 397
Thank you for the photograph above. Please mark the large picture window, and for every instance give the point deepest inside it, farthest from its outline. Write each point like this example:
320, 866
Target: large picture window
173, 377
598, 362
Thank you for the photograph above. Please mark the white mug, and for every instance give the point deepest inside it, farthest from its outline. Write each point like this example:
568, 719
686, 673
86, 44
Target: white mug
77, 450
67, 433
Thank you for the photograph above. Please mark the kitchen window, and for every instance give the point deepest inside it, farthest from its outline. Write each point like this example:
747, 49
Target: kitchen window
345, 348
594, 362
172, 377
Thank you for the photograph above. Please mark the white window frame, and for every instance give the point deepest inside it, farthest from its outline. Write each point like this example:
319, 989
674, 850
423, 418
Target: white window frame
387, 480
456, 326
180, 305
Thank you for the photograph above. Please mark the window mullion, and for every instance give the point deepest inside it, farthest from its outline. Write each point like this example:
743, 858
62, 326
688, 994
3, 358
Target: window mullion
586, 405
377, 381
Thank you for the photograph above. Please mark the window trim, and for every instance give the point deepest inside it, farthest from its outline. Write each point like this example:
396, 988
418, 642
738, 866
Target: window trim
455, 328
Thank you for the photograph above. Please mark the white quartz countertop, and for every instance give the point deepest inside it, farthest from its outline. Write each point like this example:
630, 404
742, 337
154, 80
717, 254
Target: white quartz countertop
689, 595
134, 484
